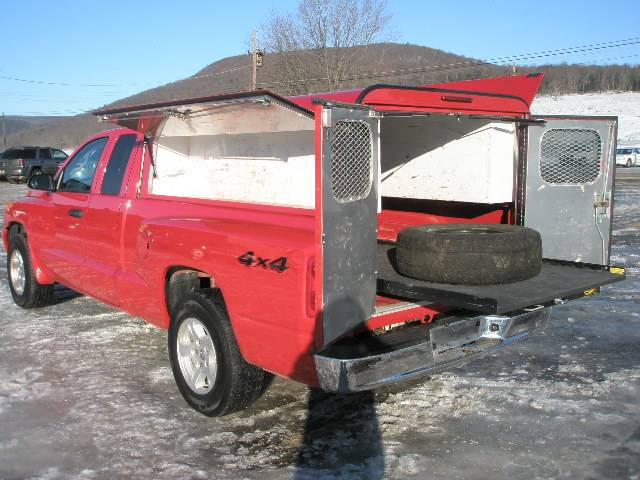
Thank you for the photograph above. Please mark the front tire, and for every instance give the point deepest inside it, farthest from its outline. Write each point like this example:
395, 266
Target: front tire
33, 173
629, 163
25, 289
209, 369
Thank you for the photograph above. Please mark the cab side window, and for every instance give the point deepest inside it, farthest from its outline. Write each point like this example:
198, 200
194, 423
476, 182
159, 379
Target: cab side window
78, 174
113, 175
59, 156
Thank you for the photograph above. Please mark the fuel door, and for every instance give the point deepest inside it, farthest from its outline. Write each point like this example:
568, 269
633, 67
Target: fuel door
568, 196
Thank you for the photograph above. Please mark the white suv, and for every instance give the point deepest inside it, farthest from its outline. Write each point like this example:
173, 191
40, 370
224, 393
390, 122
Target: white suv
628, 156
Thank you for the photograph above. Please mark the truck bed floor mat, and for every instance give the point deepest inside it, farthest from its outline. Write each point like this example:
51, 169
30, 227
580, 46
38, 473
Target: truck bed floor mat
556, 280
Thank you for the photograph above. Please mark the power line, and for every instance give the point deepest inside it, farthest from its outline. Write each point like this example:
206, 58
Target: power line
508, 59
110, 85
498, 61
65, 84
82, 111
578, 49
57, 100
32, 93
608, 59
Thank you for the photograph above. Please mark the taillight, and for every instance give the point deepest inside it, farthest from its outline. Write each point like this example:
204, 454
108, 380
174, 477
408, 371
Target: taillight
21, 163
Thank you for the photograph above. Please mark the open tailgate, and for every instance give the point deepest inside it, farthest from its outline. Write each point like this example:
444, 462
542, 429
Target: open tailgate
556, 283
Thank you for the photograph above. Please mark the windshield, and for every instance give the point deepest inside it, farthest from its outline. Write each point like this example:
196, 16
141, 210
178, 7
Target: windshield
25, 153
623, 151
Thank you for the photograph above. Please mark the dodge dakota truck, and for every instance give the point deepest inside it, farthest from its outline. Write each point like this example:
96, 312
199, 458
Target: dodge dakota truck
345, 240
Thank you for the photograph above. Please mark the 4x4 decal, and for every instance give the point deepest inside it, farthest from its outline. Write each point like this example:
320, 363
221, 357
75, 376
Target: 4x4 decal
251, 260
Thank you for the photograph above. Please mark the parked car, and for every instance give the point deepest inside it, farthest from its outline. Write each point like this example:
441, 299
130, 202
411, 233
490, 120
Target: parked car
19, 163
344, 240
628, 156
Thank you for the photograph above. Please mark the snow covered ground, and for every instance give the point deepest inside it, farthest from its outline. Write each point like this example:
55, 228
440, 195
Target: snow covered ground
626, 105
86, 393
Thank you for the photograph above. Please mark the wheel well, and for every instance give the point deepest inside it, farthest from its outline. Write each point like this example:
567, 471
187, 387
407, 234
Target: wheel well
15, 229
183, 280
32, 171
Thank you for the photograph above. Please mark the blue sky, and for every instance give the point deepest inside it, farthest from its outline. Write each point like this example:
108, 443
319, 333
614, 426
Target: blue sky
131, 46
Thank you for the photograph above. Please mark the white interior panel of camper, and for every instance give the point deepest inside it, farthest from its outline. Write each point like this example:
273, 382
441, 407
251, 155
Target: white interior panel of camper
250, 152
448, 157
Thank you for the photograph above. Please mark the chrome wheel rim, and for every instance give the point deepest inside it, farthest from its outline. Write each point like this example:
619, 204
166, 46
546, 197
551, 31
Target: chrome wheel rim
16, 272
196, 356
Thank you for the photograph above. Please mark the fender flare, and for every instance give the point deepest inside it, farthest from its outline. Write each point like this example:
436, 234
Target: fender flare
44, 276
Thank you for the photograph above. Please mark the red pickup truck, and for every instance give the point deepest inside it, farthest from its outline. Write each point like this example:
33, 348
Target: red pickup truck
345, 240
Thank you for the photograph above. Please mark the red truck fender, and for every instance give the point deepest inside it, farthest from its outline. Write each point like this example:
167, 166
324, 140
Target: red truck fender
43, 274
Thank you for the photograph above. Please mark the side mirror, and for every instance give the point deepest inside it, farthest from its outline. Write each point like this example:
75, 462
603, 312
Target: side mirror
41, 182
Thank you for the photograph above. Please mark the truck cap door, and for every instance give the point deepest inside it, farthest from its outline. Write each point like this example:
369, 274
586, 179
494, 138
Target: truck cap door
348, 212
213, 115
568, 193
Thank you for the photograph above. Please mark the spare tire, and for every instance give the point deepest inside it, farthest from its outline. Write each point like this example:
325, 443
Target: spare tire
469, 253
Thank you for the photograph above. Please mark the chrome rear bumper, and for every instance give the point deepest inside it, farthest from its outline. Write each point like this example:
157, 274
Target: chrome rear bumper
452, 343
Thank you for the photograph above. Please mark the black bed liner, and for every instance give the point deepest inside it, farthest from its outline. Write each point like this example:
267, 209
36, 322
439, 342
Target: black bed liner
555, 281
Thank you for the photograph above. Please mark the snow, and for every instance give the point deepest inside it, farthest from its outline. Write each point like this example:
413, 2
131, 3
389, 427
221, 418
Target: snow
86, 393
624, 105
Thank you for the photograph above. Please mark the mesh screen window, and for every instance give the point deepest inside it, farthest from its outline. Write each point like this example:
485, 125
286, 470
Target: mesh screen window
570, 155
351, 160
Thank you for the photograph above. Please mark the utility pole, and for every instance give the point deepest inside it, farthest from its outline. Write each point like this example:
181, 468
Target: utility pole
254, 61
4, 132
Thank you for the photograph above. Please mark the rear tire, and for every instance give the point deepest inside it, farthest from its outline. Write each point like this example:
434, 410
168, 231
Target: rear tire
469, 253
34, 172
25, 289
211, 373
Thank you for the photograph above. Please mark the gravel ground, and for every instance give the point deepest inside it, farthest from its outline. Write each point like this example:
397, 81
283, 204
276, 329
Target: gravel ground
86, 393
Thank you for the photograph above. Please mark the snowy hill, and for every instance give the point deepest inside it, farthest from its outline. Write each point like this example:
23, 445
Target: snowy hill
626, 105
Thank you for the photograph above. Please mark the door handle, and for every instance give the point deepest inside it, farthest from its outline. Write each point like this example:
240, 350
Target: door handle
77, 213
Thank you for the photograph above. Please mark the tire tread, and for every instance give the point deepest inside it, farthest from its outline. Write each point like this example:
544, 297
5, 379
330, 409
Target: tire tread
467, 254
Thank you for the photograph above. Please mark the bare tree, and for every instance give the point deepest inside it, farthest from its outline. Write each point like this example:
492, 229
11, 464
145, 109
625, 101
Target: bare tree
320, 46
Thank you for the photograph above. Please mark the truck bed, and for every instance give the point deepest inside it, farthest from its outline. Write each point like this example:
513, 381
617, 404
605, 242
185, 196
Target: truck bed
555, 281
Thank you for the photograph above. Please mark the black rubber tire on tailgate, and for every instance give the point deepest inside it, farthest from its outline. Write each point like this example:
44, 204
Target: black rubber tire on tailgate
469, 253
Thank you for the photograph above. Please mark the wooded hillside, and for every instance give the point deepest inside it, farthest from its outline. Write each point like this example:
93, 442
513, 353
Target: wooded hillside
389, 63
